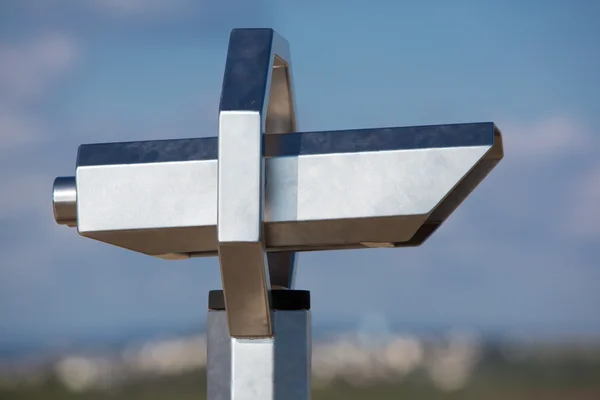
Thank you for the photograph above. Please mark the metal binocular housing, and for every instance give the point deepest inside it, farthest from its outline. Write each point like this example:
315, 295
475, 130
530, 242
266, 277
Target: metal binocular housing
261, 191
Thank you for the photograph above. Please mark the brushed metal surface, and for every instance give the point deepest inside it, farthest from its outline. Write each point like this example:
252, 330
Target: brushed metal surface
256, 99
260, 192
389, 185
268, 369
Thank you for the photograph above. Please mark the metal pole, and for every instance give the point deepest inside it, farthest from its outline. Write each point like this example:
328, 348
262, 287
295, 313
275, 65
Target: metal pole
275, 368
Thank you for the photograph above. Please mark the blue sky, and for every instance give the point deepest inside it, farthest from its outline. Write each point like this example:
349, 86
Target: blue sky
520, 255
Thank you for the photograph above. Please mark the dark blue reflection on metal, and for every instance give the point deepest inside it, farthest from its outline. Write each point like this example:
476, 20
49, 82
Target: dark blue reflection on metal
151, 151
246, 70
385, 139
294, 144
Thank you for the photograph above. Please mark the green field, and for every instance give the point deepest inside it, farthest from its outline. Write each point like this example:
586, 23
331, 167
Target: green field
544, 380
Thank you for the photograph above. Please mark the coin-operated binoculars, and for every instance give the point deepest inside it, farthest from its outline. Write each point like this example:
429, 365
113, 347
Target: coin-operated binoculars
258, 193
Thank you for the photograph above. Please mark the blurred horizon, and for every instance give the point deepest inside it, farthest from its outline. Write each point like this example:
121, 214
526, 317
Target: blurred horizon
379, 364
50, 342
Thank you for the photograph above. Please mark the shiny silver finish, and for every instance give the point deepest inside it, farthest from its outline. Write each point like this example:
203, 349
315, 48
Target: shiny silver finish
64, 201
267, 369
258, 193
256, 97
388, 187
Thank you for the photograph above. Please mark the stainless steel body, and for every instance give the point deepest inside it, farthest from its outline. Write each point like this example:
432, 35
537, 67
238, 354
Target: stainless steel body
256, 100
274, 368
260, 192
324, 190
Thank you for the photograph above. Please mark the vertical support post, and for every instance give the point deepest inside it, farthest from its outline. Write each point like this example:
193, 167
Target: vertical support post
256, 99
259, 339
275, 368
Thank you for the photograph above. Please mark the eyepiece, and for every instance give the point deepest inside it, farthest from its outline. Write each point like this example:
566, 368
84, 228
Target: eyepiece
64, 201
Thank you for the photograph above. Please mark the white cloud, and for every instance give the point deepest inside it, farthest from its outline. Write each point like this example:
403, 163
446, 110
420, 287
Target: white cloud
567, 200
583, 218
55, 52
543, 185
16, 129
140, 8
24, 194
545, 138
28, 70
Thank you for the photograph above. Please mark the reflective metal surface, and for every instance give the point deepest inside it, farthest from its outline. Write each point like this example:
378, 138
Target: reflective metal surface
268, 369
256, 97
388, 187
64, 201
261, 191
